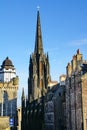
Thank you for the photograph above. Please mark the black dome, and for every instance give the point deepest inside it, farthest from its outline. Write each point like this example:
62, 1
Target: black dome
7, 63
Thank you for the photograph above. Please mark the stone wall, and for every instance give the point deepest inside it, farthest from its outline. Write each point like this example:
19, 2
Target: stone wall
84, 100
4, 123
49, 115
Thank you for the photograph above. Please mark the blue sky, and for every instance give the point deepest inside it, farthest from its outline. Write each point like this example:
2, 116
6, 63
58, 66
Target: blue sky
64, 30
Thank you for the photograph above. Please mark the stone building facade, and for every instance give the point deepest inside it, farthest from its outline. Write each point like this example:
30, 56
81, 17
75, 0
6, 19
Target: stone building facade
19, 118
8, 91
54, 107
76, 93
32, 114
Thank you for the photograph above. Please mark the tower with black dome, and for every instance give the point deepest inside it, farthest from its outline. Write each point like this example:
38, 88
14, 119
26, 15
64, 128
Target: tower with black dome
7, 70
8, 90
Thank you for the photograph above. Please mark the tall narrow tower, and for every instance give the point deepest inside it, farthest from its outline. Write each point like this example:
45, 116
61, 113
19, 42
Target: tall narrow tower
8, 90
39, 69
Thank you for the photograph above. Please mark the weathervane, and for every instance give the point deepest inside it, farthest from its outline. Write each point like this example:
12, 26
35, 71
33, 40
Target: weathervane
38, 8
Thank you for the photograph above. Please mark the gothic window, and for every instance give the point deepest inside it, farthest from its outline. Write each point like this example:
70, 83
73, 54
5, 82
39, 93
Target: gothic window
59, 94
5, 105
5, 96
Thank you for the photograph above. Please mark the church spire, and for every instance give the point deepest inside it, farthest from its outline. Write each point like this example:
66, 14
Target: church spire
38, 40
23, 95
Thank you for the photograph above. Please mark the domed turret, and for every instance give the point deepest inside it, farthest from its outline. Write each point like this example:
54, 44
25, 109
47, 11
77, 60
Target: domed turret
7, 64
7, 70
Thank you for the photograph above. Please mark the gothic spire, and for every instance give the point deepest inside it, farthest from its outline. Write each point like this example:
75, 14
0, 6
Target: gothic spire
23, 95
47, 57
38, 40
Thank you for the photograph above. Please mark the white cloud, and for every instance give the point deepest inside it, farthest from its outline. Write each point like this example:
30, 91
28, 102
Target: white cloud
79, 42
51, 49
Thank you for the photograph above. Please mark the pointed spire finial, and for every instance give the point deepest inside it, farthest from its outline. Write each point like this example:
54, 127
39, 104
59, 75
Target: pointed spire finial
38, 40
23, 96
78, 51
47, 57
38, 8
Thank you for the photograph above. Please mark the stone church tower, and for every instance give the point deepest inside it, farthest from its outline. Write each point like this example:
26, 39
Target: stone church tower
39, 69
8, 89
